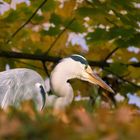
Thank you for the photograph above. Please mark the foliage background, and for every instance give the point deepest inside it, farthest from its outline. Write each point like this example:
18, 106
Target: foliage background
36, 36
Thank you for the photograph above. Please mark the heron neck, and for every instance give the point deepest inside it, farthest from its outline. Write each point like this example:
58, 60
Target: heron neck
61, 88
58, 81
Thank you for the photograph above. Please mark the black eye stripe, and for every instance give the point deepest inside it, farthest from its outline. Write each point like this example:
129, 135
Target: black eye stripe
79, 59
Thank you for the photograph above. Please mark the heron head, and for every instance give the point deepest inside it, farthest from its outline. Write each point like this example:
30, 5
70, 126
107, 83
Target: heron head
85, 73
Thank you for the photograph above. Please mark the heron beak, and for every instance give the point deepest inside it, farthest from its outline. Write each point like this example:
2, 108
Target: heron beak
94, 79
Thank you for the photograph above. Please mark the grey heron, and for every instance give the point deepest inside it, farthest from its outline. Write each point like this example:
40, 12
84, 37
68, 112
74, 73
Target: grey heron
21, 84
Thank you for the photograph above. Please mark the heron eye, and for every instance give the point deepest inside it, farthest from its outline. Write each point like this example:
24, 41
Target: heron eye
86, 66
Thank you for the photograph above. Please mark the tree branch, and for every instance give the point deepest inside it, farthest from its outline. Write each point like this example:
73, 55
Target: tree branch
28, 20
43, 58
134, 64
37, 57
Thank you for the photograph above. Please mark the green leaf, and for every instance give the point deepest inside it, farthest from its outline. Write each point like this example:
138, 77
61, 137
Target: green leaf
77, 26
98, 36
12, 17
135, 40
123, 32
121, 43
22, 8
132, 41
52, 31
85, 11
49, 5
38, 18
56, 19
125, 88
117, 68
98, 10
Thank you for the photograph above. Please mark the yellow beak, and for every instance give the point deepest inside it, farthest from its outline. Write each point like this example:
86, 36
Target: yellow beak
94, 79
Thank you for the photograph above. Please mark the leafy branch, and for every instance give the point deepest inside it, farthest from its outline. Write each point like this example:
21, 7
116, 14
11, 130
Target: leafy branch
59, 35
122, 79
113, 23
51, 46
28, 20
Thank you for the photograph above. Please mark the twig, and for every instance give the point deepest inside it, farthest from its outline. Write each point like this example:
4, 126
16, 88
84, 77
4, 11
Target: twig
21, 27
45, 68
111, 53
111, 22
121, 78
54, 42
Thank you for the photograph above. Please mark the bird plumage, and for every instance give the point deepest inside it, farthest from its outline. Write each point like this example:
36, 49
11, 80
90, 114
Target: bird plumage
19, 84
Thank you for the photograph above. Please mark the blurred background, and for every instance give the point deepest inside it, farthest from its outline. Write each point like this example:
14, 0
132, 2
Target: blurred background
37, 34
